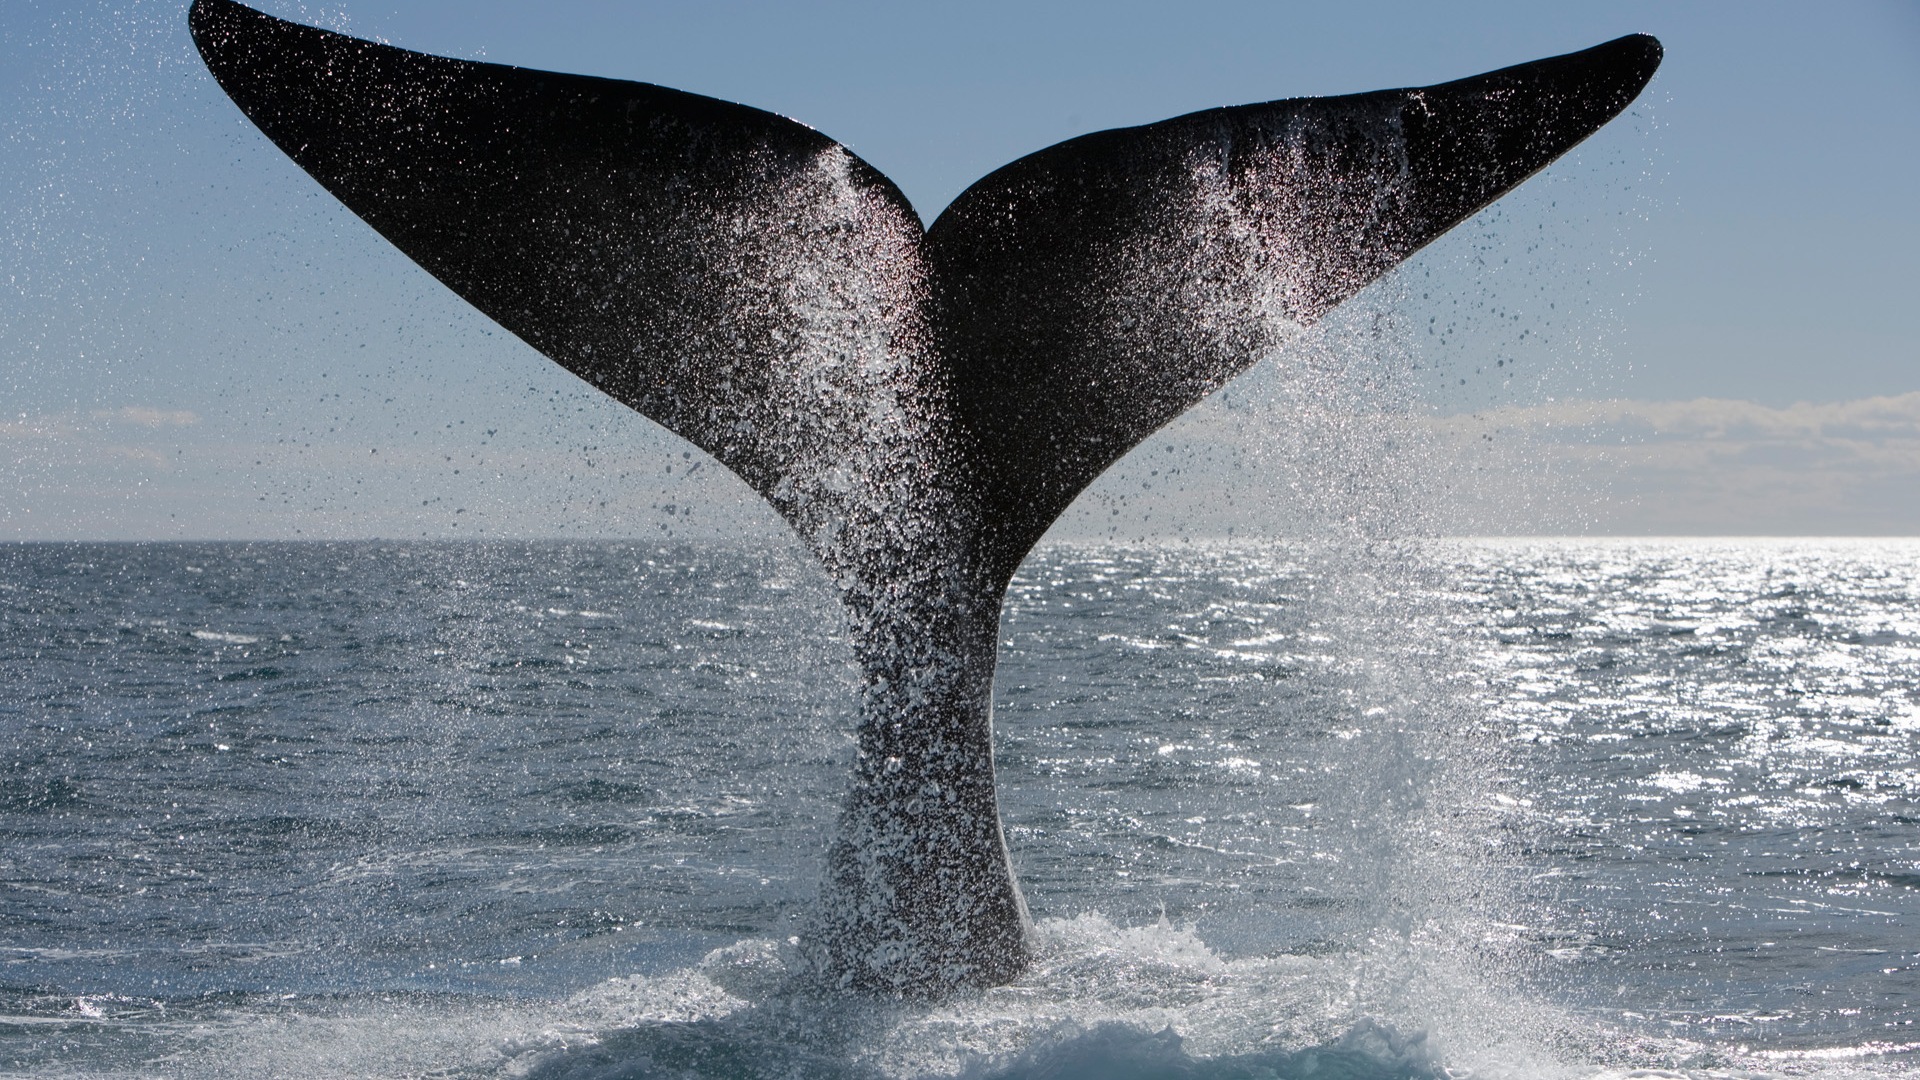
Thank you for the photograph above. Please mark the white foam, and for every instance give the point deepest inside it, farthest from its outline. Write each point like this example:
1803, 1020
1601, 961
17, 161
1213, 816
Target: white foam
224, 638
1103, 999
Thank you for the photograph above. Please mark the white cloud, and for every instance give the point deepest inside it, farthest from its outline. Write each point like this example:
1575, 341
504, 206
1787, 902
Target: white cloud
37, 426
1719, 465
1624, 467
1874, 418
146, 416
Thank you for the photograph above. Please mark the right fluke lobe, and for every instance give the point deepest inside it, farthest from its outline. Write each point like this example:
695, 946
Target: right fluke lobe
1093, 291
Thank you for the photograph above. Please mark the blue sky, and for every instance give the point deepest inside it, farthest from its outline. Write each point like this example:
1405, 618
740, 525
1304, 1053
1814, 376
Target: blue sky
1717, 291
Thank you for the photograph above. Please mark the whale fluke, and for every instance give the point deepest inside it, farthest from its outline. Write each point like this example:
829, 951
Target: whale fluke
1093, 291
919, 404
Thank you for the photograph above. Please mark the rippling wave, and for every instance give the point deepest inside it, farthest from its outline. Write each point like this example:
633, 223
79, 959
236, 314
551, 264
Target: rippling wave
1507, 808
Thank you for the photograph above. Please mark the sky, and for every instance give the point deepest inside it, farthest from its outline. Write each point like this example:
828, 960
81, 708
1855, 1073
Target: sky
1699, 322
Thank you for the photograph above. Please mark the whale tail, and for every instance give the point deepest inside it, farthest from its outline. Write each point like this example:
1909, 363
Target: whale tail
919, 404
756, 288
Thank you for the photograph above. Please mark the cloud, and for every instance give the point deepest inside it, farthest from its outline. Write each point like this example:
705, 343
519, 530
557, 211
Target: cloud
24, 427
1727, 419
1718, 465
1280, 467
146, 416
67, 425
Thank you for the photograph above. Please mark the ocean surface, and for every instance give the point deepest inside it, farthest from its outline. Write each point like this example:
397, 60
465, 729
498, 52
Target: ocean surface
1443, 809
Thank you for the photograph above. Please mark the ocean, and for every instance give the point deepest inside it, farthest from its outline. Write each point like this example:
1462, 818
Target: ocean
1506, 808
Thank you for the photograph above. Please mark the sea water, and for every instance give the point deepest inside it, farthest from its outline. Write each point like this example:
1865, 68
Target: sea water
1503, 808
